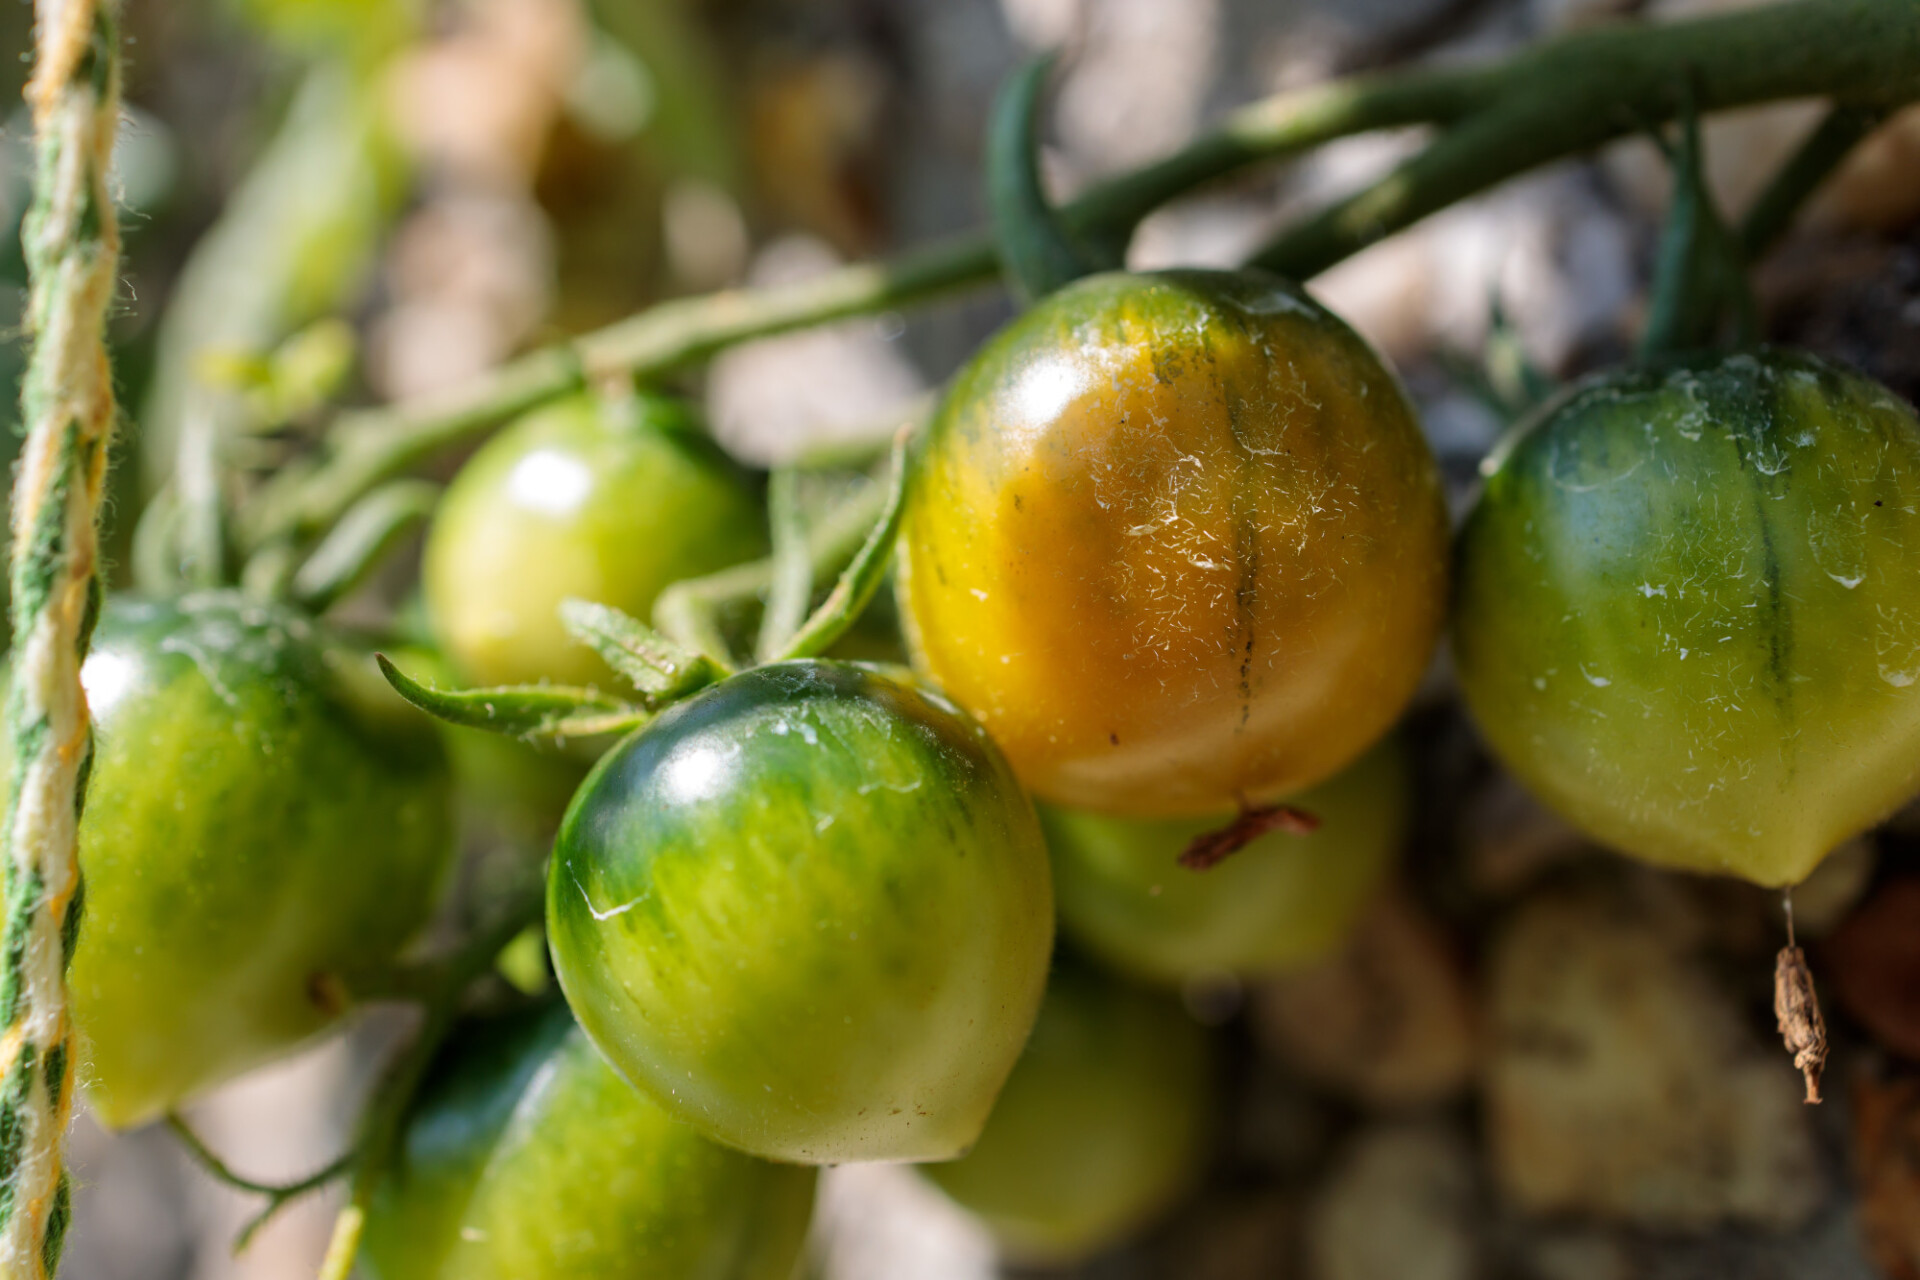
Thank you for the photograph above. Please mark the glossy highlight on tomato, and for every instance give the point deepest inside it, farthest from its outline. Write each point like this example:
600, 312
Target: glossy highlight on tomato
1689, 616
810, 910
603, 500
262, 810
1281, 902
1178, 541
1101, 1126
526, 1157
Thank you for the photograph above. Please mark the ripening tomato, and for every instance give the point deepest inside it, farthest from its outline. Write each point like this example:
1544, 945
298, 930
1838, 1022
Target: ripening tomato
1102, 1124
1689, 611
809, 909
527, 1158
1178, 541
1282, 902
608, 501
262, 811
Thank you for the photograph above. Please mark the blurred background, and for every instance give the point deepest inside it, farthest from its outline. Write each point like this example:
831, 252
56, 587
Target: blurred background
365, 200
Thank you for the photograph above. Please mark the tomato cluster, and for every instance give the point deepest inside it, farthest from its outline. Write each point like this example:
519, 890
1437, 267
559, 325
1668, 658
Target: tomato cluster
1176, 549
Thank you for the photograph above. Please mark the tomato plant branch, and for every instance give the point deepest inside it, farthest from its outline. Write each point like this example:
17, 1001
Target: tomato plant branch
369, 446
862, 577
1553, 101
278, 1193
72, 245
443, 984
1774, 209
691, 611
1575, 94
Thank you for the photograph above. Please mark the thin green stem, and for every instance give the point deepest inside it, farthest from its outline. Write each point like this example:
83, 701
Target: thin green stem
852, 593
1576, 94
791, 590
1829, 144
278, 1194
445, 982
690, 611
367, 447
354, 547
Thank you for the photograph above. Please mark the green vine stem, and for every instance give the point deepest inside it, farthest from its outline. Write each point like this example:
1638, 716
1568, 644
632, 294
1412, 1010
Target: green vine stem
440, 987
72, 244
863, 575
1558, 99
1774, 209
690, 611
1578, 93
791, 589
278, 1194
1037, 255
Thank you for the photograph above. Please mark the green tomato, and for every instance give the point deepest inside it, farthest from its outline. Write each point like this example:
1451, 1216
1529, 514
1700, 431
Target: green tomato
1101, 1126
526, 1157
809, 909
1688, 616
259, 814
1281, 902
604, 501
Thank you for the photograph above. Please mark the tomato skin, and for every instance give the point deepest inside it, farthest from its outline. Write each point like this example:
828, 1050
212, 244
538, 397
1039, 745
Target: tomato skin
257, 814
1101, 1126
608, 502
810, 910
1688, 613
1282, 902
527, 1158
1177, 540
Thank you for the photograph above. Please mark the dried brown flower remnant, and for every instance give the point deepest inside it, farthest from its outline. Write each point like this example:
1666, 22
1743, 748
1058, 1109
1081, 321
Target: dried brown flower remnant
1214, 847
1798, 1010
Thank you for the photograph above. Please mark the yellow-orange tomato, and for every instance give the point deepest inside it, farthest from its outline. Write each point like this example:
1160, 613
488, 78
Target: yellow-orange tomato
1178, 541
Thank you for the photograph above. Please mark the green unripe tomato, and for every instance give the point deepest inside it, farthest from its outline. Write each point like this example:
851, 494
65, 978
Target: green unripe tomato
604, 501
1101, 1126
1688, 613
261, 811
527, 1158
1281, 902
809, 909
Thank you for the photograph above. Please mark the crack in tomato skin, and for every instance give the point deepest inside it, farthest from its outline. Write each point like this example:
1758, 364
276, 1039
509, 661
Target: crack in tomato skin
1175, 538
810, 910
1687, 615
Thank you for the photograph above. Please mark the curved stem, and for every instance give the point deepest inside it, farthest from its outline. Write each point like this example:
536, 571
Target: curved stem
367, 447
1556, 100
279, 1194
1571, 96
862, 577
1829, 144
446, 982
791, 589
1036, 253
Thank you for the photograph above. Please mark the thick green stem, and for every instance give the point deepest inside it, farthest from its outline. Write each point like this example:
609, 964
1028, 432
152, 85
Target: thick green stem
1037, 254
1576, 94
